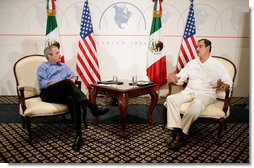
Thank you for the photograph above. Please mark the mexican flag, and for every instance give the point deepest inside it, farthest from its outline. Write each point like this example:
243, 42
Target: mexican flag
52, 32
156, 59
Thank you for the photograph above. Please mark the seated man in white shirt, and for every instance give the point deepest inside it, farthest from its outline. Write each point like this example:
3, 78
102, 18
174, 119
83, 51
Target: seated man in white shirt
200, 73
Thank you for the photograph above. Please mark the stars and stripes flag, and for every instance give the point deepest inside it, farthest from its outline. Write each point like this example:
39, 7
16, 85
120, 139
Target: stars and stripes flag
156, 59
87, 63
188, 47
52, 32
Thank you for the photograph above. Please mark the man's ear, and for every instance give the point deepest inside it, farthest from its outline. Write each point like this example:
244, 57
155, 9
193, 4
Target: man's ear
209, 48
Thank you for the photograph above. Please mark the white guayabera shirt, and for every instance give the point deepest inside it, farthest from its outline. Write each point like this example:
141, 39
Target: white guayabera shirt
203, 77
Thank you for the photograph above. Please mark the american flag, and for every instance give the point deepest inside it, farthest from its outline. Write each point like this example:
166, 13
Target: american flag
87, 63
188, 46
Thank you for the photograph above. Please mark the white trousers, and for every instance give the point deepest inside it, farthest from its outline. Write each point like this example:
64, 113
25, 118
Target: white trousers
174, 101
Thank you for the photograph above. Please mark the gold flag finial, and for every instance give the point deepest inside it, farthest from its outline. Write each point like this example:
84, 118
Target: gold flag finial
157, 14
51, 12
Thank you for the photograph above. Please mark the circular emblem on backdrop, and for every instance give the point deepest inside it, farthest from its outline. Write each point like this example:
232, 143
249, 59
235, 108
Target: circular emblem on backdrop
125, 16
155, 46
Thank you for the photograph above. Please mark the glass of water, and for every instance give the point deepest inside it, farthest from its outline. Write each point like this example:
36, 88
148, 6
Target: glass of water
115, 79
134, 80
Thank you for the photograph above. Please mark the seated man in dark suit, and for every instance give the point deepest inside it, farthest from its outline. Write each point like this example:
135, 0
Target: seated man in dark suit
57, 84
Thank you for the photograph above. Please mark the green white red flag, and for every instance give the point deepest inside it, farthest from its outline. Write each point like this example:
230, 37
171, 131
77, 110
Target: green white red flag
52, 32
156, 59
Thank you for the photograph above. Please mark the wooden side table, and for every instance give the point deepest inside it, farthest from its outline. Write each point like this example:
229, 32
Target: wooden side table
123, 93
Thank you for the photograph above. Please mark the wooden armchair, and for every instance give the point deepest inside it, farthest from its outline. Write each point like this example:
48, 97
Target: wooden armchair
31, 105
219, 110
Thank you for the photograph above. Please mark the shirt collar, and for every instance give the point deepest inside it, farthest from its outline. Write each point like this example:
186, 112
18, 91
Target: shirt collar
208, 60
57, 64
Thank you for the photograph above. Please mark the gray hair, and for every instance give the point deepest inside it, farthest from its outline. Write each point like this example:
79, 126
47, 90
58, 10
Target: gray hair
48, 51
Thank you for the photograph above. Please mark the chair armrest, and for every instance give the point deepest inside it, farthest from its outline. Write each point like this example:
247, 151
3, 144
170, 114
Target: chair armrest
21, 96
227, 100
171, 85
26, 92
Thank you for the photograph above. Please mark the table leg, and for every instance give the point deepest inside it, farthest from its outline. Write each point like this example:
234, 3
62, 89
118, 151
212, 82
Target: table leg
123, 108
92, 95
154, 99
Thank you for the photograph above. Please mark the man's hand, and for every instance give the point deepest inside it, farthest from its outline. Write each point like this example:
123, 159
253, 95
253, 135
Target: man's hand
73, 79
172, 77
222, 86
51, 83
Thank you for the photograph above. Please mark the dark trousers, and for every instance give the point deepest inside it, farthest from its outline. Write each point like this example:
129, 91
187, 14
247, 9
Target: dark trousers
66, 92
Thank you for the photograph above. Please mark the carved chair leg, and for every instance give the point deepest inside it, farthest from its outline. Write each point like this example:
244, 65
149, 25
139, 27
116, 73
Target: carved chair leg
164, 117
225, 125
28, 127
23, 122
220, 129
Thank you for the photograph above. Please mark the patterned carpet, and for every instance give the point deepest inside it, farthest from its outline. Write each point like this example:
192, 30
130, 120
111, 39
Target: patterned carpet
107, 100
102, 144
145, 144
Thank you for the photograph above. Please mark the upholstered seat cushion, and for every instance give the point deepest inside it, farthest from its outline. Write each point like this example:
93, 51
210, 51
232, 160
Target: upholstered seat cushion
213, 110
36, 107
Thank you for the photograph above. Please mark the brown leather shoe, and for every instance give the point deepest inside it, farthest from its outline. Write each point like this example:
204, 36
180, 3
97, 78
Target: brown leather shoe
173, 137
177, 143
169, 141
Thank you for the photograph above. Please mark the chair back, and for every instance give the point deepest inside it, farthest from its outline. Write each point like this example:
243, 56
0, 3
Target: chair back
25, 72
230, 66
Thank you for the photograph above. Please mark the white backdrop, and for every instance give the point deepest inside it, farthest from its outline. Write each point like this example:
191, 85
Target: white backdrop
122, 45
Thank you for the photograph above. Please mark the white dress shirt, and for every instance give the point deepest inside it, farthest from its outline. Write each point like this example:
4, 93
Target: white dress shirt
203, 77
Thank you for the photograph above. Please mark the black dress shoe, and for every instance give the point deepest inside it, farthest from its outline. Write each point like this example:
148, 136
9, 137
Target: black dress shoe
101, 110
114, 101
78, 143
